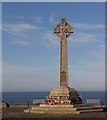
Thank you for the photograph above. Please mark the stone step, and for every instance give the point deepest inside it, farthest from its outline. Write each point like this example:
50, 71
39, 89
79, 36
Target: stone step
67, 109
86, 111
88, 108
52, 112
62, 106
63, 109
88, 105
42, 108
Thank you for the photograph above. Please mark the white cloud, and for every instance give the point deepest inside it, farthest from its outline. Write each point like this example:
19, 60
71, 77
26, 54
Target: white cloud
81, 37
17, 77
20, 17
18, 29
50, 38
52, 18
97, 56
15, 69
89, 73
84, 37
38, 19
0, 27
94, 65
21, 42
85, 75
86, 26
23, 33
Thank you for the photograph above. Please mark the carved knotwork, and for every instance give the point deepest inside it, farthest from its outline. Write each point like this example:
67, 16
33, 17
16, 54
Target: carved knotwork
63, 29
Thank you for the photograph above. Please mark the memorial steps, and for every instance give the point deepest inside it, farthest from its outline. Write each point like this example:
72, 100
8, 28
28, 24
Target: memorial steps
53, 109
90, 109
63, 109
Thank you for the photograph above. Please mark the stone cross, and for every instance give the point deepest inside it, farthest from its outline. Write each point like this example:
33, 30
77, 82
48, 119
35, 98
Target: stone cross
63, 30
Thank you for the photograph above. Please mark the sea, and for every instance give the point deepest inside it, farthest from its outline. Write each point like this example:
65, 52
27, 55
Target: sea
25, 97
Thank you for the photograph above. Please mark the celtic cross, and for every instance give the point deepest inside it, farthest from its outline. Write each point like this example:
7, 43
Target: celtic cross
63, 30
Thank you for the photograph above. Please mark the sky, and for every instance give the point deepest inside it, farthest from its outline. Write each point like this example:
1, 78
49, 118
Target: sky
31, 50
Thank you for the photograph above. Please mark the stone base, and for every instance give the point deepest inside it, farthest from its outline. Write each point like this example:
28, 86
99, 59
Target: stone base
53, 110
64, 92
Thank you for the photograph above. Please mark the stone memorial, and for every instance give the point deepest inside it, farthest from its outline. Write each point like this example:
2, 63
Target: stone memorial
63, 30
63, 93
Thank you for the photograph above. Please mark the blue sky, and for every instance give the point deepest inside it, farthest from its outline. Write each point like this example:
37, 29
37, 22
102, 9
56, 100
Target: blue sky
31, 50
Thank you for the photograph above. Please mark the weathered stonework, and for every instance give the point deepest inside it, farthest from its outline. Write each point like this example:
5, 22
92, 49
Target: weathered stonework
63, 30
65, 92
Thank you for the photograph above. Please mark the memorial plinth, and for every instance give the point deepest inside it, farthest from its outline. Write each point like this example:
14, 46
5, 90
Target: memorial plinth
64, 92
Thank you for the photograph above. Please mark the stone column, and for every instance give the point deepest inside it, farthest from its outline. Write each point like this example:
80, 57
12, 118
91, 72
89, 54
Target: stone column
63, 63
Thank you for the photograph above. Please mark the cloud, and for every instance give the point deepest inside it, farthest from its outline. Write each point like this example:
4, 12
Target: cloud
84, 75
0, 27
19, 77
83, 37
89, 74
18, 69
93, 71
52, 18
86, 26
21, 42
96, 62
50, 38
80, 37
20, 17
22, 33
38, 19
19, 29
94, 65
